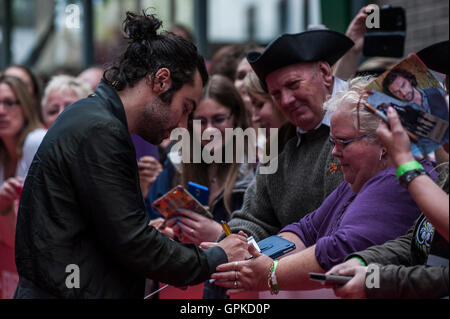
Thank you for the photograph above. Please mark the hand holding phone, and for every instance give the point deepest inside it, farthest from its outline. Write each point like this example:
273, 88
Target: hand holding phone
331, 279
275, 246
179, 198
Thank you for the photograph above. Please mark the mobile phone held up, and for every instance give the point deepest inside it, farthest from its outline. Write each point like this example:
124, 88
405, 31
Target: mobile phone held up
388, 38
200, 192
179, 198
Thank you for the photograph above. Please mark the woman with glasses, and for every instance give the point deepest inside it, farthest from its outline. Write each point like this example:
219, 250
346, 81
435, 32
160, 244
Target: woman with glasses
220, 108
20, 136
30, 80
368, 208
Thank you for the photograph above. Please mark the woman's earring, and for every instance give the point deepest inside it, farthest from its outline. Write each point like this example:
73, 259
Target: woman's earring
383, 152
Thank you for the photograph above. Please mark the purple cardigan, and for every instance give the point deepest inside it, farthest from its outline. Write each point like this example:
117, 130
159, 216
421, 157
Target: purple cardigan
381, 211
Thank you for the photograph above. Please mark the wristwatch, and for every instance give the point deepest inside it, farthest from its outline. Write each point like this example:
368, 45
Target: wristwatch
408, 176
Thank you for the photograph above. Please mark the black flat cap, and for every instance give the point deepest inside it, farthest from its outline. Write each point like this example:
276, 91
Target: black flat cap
435, 57
308, 46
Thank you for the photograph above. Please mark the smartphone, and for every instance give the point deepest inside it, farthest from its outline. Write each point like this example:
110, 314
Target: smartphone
275, 246
389, 39
177, 198
200, 192
331, 279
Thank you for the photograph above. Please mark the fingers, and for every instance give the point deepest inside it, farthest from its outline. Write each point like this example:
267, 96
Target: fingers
350, 271
231, 266
224, 276
172, 221
188, 238
234, 291
149, 160
383, 131
189, 214
16, 181
243, 234
156, 222
352, 289
10, 189
149, 166
253, 251
187, 224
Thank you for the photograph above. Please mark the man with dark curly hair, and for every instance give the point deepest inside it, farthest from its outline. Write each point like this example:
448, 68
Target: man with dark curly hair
82, 230
402, 85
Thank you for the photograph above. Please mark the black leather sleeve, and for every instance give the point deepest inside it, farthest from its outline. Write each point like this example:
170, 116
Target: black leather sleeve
107, 185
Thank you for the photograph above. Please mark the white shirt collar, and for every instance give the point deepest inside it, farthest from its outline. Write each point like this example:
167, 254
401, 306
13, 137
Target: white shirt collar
338, 86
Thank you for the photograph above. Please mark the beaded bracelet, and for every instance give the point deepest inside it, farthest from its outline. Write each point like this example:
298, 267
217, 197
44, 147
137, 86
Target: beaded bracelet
272, 279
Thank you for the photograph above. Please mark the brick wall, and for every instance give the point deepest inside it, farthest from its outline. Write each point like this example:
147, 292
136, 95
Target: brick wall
427, 21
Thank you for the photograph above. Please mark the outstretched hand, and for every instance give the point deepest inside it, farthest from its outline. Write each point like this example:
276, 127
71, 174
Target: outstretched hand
244, 275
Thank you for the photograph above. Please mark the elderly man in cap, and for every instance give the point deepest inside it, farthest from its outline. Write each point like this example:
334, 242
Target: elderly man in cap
295, 69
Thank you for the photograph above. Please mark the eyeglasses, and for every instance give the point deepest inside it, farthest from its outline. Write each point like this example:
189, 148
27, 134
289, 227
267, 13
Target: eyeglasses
343, 143
9, 104
216, 121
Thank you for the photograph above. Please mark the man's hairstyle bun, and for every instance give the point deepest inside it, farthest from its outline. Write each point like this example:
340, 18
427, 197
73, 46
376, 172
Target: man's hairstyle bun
148, 52
141, 27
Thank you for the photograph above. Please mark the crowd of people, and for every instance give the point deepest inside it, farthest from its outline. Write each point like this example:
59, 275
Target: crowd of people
348, 191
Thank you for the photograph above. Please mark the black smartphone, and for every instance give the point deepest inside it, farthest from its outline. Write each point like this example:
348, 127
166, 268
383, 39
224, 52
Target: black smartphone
389, 39
331, 279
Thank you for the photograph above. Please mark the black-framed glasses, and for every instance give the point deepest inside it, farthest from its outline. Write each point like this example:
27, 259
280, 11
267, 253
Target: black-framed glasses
9, 104
343, 143
216, 121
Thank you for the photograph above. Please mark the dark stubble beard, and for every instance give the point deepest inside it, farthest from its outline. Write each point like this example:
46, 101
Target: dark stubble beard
154, 123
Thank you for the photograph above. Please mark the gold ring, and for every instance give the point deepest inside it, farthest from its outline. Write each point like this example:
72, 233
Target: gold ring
235, 284
235, 265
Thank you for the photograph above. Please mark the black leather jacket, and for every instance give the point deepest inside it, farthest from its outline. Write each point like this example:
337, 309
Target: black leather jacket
82, 205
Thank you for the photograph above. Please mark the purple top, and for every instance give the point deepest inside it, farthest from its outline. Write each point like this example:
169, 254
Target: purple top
144, 148
381, 211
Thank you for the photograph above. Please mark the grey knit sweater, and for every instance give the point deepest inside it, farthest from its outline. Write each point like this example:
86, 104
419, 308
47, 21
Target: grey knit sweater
299, 186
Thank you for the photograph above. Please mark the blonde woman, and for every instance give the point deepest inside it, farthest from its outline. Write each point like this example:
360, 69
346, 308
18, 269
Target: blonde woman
20, 136
62, 91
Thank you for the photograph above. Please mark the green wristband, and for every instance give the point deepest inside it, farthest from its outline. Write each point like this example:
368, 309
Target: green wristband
361, 260
408, 166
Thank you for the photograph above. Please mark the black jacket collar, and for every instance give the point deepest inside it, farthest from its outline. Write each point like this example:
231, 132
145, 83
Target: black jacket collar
111, 99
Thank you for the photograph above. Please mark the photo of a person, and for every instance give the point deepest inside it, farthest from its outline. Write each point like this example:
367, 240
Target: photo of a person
418, 97
402, 85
